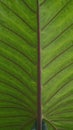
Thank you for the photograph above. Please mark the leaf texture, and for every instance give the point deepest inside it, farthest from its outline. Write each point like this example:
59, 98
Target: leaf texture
56, 18
19, 64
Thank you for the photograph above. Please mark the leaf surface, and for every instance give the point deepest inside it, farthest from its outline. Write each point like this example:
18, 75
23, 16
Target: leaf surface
19, 64
56, 20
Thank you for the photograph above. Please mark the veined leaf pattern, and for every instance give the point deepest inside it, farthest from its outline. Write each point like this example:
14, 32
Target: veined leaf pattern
19, 41
56, 21
18, 64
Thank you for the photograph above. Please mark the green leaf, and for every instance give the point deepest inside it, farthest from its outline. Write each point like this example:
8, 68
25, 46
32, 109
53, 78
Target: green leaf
56, 20
18, 64
36, 62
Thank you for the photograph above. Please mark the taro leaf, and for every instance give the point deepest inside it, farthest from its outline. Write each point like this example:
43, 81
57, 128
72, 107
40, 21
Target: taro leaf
56, 18
18, 64
25, 26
